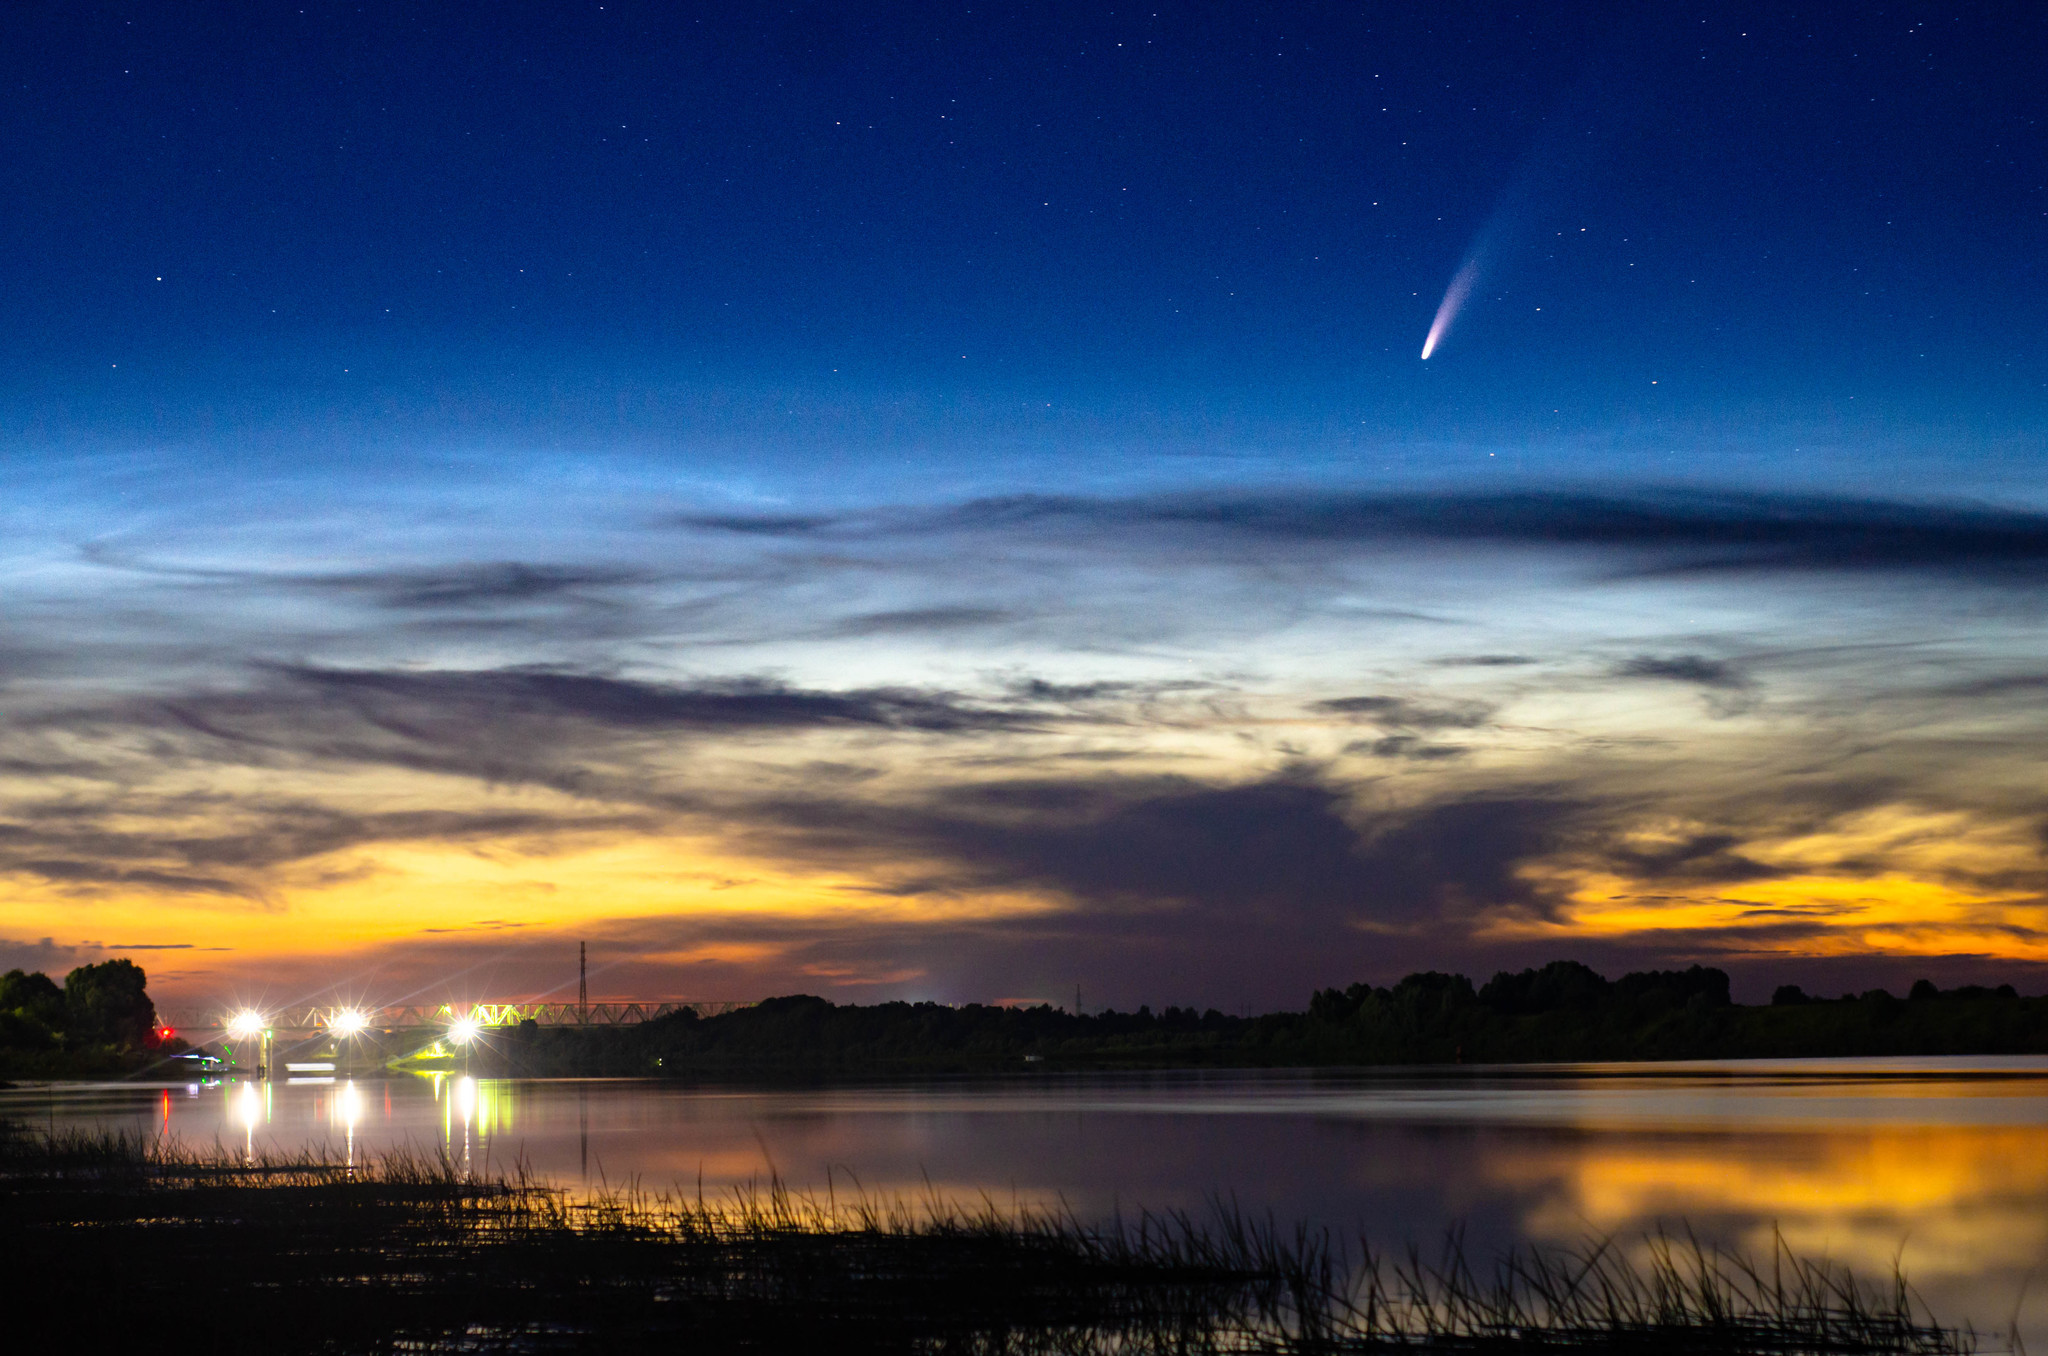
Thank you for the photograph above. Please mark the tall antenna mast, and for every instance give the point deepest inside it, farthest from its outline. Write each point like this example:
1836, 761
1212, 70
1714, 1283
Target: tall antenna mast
582, 984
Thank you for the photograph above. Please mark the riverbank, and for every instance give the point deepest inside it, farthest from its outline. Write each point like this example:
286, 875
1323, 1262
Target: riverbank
102, 1062
1563, 1013
148, 1244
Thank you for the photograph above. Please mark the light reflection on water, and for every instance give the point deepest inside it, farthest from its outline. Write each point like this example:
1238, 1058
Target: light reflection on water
1942, 1163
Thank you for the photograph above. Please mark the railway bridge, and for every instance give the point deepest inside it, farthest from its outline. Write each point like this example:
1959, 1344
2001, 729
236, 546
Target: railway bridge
346, 1020
320, 1041
403, 1033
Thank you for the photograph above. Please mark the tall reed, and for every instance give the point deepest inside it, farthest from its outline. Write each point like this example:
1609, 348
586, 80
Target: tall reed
183, 1248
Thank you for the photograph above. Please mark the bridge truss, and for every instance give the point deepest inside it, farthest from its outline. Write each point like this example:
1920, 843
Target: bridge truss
310, 1020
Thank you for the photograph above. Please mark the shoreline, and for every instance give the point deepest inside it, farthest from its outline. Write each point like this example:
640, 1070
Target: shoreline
1904, 1069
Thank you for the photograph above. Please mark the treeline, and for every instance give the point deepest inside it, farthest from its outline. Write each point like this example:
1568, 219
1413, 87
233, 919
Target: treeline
1562, 1012
100, 1021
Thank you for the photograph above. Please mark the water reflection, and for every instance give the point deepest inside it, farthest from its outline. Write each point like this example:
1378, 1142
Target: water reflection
471, 1113
462, 1107
1964, 1210
348, 1109
250, 1106
1944, 1165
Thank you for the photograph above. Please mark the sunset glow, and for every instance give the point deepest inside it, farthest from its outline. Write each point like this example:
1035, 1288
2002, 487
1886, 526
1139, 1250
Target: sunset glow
789, 532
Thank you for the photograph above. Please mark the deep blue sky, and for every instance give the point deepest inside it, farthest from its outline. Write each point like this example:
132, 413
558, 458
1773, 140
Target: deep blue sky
945, 501
1168, 226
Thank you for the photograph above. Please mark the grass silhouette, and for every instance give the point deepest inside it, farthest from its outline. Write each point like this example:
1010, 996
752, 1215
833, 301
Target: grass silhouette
174, 1248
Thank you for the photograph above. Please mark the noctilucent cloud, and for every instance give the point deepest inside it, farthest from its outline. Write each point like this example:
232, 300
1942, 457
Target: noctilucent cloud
935, 501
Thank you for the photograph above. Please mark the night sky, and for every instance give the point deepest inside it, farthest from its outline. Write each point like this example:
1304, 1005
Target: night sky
945, 501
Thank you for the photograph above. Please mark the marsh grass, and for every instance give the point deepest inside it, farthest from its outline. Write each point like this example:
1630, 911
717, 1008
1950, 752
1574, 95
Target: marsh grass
173, 1248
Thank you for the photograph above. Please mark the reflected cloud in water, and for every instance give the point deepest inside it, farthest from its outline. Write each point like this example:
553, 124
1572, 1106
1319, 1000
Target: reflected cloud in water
1940, 1164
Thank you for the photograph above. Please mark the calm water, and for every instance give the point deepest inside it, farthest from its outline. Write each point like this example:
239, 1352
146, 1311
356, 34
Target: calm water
1942, 1161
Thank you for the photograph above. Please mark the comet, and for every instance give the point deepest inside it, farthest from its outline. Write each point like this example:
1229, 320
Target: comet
1551, 175
1454, 300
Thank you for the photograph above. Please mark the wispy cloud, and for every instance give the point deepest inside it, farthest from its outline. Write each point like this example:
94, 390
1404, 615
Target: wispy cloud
1693, 530
493, 696
1228, 733
1684, 668
1401, 713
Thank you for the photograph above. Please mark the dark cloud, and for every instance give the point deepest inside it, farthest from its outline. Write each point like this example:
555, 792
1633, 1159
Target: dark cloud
1407, 746
1039, 690
1685, 530
99, 875
1266, 848
476, 585
1042, 690
911, 621
1463, 858
1175, 891
286, 834
1144, 874
1798, 911
577, 734
1278, 849
762, 525
1399, 713
1725, 529
1172, 890
547, 727
75, 848
487, 697
44, 954
1685, 668
473, 584
1999, 685
1707, 857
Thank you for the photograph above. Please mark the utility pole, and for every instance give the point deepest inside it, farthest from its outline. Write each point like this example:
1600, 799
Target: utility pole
1077, 1000
582, 984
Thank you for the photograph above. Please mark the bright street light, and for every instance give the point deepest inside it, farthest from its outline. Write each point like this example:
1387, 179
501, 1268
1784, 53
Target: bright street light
347, 1022
245, 1024
464, 1030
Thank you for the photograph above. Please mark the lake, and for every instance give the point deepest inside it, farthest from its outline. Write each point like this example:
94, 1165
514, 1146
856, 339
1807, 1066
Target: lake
1942, 1162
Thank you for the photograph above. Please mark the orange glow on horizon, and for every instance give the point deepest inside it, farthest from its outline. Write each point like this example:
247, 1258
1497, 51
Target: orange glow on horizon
1892, 881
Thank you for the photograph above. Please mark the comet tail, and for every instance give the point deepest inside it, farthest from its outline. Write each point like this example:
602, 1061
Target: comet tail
1454, 298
